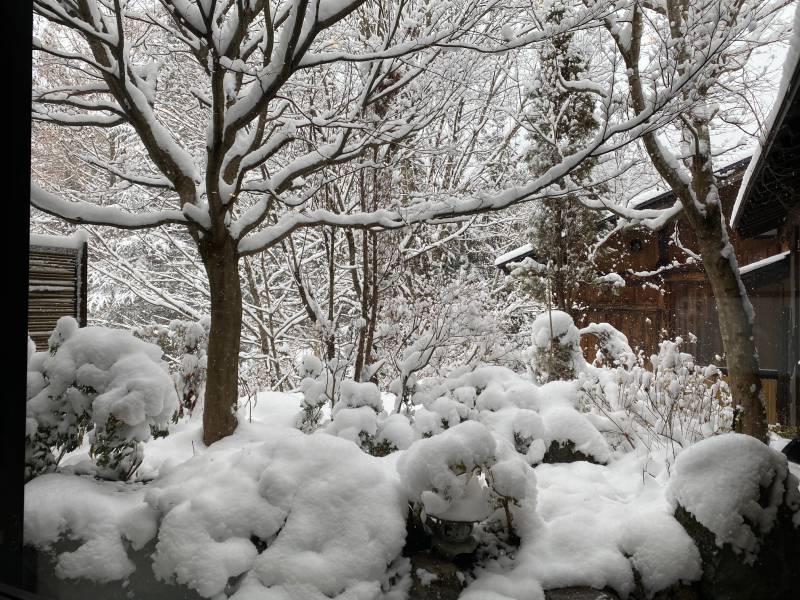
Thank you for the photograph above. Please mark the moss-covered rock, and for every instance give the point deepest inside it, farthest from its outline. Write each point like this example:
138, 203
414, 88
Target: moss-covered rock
580, 593
775, 573
435, 578
565, 452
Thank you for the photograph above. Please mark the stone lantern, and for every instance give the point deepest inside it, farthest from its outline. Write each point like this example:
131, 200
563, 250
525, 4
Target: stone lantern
451, 528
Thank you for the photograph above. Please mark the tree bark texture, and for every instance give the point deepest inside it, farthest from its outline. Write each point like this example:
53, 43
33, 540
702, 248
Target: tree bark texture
222, 385
735, 323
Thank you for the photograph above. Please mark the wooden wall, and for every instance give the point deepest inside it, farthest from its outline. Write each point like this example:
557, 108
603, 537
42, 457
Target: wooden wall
678, 300
56, 287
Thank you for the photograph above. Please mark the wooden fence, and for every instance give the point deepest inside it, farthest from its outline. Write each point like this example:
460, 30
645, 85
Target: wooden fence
56, 284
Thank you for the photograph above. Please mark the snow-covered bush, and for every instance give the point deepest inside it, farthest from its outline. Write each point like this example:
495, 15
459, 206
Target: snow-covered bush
674, 404
613, 349
313, 385
321, 384
512, 484
356, 417
99, 381
441, 473
185, 345
570, 435
465, 473
556, 347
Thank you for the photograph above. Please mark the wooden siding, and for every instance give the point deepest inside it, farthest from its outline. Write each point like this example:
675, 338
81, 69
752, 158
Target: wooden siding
56, 287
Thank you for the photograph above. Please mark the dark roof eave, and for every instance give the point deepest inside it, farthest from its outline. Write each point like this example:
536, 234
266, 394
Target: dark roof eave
786, 104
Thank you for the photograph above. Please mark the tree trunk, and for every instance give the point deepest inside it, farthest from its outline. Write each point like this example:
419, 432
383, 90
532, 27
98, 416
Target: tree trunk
733, 306
222, 385
736, 329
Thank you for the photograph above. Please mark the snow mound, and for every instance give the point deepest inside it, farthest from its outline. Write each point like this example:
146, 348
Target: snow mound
300, 516
501, 587
346, 515
329, 515
660, 550
737, 500
107, 517
211, 507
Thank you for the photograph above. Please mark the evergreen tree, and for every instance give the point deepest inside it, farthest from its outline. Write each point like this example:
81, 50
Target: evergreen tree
562, 232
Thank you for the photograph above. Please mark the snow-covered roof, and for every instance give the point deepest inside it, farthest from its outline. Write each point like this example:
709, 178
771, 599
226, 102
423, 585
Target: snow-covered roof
659, 194
765, 262
511, 255
790, 80
74, 240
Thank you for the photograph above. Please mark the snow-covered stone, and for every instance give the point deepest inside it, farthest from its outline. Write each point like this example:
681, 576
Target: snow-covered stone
738, 499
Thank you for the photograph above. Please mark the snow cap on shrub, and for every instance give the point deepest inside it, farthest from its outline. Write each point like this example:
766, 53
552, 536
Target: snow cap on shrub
397, 431
349, 423
556, 346
564, 424
354, 394
563, 329
437, 471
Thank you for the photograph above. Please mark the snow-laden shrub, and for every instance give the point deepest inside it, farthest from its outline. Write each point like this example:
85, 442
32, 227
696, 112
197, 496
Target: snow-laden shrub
395, 432
185, 345
613, 349
99, 381
556, 347
521, 427
512, 485
570, 433
321, 383
313, 385
466, 473
674, 404
358, 415
441, 473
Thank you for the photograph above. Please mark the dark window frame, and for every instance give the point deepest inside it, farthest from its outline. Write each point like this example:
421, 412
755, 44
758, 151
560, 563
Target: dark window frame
16, 44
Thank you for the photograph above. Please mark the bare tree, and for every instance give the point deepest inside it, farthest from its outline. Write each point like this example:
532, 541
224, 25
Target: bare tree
282, 92
259, 144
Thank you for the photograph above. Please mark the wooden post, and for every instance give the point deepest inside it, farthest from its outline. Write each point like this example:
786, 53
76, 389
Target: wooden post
793, 353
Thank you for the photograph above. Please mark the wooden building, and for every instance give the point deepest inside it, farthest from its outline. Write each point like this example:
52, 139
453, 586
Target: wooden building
768, 208
667, 294
56, 283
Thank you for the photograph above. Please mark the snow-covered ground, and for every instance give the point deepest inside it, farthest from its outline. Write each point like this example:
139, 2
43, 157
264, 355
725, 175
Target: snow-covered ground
271, 512
274, 512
